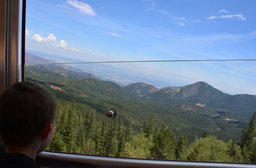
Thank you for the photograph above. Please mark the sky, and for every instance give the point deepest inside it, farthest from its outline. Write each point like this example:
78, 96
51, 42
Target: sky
133, 30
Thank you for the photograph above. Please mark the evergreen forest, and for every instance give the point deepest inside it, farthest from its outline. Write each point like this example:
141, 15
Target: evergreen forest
80, 130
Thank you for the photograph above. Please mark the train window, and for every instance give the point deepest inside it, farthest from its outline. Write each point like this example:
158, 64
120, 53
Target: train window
164, 80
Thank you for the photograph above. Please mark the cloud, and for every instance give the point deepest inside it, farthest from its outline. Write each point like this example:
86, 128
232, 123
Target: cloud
82, 7
38, 38
75, 49
114, 34
52, 39
64, 45
28, 32
225, 14
180, 21
223, 11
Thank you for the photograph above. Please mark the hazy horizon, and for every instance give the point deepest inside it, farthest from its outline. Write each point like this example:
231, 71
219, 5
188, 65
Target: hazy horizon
115, 75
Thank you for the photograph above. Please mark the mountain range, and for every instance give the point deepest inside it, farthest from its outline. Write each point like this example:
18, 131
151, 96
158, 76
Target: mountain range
198, 93
192, 109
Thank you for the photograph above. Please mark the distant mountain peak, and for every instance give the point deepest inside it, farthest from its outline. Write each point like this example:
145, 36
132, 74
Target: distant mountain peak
200, 84
141, 89
202, 90
199, 92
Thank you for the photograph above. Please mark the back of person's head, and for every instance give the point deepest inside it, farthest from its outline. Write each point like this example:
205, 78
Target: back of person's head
25, 109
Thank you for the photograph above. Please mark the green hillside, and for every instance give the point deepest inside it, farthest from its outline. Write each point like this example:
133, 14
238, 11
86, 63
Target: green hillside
151, 123
187, 115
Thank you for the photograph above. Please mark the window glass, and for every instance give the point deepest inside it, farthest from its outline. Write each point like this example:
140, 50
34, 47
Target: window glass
151, 79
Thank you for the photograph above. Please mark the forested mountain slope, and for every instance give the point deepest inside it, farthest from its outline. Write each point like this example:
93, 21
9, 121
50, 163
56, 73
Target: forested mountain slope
192, 109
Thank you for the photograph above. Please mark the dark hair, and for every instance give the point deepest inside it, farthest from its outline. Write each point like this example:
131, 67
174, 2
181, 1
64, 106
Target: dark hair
25, 109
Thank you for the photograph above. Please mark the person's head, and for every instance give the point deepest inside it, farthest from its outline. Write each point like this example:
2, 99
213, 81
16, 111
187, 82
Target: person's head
26, 113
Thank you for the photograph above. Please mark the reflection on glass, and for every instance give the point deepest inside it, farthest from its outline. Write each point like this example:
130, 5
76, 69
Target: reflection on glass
181, 81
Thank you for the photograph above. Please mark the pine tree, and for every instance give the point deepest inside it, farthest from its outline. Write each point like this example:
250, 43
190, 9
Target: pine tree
148, 127
234, 151
100, 139
163, 145
108, 139
57, 143
206, 134
181, 148
248, 141
71, 129
120, 138
89, 123
80, 136
128, 131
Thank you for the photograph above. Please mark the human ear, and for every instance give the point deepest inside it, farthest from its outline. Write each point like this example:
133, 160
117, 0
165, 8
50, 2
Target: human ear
47, 130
